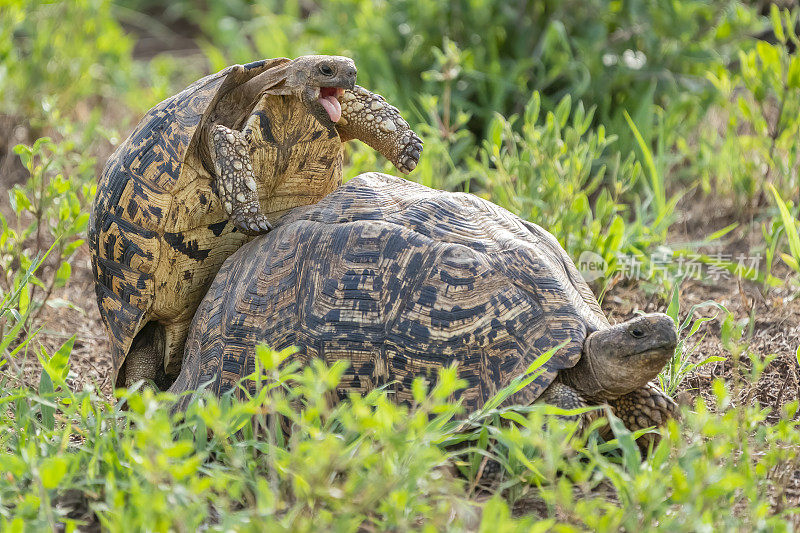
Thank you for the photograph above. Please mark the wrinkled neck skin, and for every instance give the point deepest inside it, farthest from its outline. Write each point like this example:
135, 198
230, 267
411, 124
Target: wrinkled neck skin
622, 358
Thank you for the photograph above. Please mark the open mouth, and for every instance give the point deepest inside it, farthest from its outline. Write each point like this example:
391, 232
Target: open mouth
329, 99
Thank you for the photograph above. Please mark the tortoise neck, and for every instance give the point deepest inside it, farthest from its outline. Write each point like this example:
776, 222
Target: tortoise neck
584, 377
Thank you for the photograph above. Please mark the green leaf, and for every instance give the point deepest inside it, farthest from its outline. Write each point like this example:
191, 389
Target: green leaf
699, 322
20, 202
769, 56
790, 226
616, 231
655, 182
495, 512
62, 274
46, 390
793, 76
562, 110
721, 233
777, 23
495, 133
53, 470
71, 247
59, 363
674, 302
791, 261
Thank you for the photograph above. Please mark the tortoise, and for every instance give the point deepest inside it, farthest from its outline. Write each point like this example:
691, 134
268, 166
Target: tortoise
400, 280
204, 171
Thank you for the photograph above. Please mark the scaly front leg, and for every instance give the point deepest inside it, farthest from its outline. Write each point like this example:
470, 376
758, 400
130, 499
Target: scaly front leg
236, 183
643, 408
370, 118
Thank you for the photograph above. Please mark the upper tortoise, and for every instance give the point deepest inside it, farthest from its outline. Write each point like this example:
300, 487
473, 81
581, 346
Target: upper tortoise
203, 171
400, 280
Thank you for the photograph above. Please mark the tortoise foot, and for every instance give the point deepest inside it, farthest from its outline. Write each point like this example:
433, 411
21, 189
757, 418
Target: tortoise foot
251, 223
236, 183
644, 408
410, 153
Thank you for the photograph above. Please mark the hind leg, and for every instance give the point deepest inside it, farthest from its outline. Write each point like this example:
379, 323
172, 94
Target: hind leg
236, 183
141, 363
145, 359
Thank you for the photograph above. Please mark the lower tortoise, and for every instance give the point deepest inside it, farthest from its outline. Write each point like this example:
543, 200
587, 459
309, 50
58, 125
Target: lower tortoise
400, 280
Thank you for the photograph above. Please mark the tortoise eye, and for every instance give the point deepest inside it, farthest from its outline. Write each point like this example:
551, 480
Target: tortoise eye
636, 332
326, 69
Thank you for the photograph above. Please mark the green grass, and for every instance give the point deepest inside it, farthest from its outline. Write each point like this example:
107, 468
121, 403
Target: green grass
287, 459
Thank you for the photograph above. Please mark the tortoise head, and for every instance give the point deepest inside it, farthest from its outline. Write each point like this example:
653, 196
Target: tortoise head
319, 82
624, 357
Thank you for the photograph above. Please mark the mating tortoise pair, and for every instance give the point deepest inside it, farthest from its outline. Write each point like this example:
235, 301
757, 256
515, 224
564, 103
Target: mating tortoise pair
394, 277
204, 171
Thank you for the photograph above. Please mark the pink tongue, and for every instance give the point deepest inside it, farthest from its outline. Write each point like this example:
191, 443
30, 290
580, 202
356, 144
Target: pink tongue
332, 106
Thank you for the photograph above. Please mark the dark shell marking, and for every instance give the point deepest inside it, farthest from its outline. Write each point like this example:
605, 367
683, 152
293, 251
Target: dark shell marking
400, 280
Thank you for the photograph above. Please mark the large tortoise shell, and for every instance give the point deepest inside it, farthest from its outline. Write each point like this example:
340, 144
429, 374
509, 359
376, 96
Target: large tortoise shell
400, 280
134, 198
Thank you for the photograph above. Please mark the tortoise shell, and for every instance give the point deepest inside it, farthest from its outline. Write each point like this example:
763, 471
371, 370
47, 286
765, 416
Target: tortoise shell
158, 232
400, 280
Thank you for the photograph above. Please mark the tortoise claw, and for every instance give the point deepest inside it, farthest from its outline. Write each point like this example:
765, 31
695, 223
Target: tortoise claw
251, 223
410, 154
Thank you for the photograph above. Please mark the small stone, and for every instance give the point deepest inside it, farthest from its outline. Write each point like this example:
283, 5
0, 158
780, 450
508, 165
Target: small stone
375, 105
228, 207
251, 183
357, 106
347, 96
230, 137
370, 117
388, 125
237, 164
240, 197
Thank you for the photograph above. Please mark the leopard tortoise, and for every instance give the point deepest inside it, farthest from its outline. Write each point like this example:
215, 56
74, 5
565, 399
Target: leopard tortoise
400, 280
206, 169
